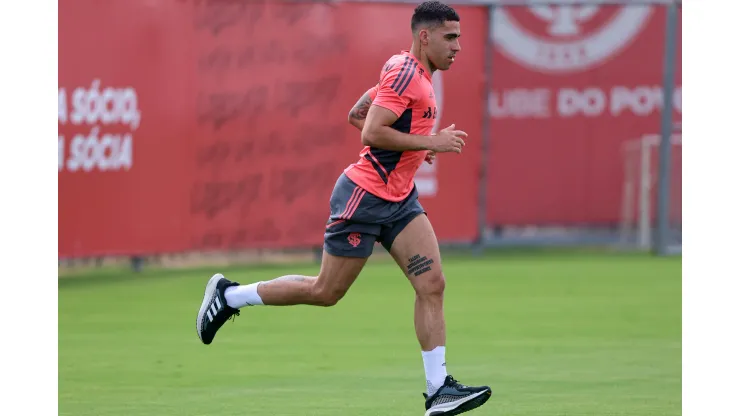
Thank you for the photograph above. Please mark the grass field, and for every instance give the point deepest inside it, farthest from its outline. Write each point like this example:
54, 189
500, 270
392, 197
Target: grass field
552, 334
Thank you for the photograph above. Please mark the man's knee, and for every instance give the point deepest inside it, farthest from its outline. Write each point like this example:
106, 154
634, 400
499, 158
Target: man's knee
329, 291
327, 296
431, 283
335, 278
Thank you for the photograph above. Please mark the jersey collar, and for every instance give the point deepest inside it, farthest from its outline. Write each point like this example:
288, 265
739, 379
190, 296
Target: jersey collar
420, 67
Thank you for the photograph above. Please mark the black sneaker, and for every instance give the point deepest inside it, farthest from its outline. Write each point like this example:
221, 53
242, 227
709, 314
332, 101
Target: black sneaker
214, 311
454, 398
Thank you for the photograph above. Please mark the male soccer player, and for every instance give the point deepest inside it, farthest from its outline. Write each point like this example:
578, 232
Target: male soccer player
375, 199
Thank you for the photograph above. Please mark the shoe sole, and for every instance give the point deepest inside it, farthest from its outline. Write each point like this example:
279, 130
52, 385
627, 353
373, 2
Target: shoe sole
207, 297
461, 406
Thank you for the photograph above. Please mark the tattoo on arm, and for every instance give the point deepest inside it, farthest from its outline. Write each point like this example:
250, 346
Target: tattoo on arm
359, 111
419, 265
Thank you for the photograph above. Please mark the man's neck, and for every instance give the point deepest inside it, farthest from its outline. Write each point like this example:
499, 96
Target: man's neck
416, 51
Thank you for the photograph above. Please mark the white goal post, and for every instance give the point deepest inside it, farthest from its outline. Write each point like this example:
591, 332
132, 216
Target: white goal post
639, 215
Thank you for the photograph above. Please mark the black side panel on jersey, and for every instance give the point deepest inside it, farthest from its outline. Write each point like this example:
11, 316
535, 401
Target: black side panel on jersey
403, 123
376, 166
388, 159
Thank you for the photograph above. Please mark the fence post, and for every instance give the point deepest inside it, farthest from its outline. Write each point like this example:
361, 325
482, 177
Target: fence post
664, 167
486, 133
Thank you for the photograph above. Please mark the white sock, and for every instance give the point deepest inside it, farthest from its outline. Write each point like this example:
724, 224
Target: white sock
435, 368
240, 296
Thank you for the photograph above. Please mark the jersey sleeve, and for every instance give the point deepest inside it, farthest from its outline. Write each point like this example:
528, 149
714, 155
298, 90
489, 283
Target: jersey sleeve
373, 92
396, 87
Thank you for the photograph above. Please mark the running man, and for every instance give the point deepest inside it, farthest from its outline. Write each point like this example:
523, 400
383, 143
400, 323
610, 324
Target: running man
375, 199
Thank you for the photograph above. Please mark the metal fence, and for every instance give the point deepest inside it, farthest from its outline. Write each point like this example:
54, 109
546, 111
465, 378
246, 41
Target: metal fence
660, 228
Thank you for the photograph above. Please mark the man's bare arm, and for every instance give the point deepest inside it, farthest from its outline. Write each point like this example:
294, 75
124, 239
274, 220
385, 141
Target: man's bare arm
378, 133
358, 114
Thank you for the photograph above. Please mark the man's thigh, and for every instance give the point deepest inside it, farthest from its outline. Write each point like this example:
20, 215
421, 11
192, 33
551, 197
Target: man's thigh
416, 250
397, 216
337, 274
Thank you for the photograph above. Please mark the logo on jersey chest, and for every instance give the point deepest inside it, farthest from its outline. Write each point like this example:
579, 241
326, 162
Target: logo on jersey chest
430, 113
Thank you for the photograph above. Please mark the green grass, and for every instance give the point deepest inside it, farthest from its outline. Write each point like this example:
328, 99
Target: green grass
583, 334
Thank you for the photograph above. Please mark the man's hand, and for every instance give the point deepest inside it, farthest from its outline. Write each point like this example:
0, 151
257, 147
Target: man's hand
430, 157
448, 140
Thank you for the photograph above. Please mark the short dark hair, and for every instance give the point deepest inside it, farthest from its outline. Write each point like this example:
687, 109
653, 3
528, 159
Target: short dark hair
432, 12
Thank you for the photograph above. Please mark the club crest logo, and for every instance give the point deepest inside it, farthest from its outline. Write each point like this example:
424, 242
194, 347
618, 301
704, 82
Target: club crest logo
354, 239
566, 38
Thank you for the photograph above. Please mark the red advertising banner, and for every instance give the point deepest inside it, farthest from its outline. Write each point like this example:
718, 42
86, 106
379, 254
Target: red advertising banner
195, 125
571, 84
125, 127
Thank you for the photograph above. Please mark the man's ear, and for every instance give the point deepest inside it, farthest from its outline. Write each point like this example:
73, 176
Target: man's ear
424, 36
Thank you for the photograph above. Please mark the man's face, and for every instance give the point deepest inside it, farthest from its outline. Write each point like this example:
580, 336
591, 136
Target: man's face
443, 44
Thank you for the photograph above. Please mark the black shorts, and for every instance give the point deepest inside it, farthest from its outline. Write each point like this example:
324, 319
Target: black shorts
358, 219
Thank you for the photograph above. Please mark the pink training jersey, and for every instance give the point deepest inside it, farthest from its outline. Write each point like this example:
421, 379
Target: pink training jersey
405, 88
